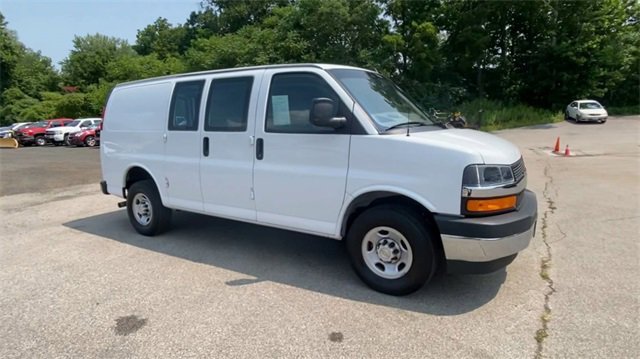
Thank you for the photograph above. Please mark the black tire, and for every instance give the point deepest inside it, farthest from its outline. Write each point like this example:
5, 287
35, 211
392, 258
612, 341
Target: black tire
90, 141
40, 141
56, 143
413, 228
144, 193
66, 140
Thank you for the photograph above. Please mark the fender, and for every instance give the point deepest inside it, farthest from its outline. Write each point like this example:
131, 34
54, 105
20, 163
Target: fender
123, 184
369, 194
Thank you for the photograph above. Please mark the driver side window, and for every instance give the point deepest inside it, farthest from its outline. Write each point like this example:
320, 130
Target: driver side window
289, 104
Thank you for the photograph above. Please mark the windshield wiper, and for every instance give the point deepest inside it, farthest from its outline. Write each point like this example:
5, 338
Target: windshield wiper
409, 123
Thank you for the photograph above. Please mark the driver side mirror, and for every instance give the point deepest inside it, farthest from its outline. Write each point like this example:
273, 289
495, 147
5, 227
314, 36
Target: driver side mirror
323, 112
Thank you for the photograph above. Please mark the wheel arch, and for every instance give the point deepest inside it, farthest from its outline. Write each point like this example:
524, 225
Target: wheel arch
136, 173
375, 198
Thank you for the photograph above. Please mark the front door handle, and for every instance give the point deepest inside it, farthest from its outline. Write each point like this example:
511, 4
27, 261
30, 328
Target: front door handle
260, 149
205, 146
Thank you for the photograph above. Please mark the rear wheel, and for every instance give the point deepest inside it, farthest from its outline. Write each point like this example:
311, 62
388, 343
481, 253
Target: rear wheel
90, 141
66, 140
391, 249
146, 213
40, 141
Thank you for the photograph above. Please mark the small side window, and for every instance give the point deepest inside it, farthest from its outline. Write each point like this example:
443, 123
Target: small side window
55, 124
228, 104
185, 106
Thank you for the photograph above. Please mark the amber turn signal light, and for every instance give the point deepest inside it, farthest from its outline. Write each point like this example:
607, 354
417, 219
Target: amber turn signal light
491, 205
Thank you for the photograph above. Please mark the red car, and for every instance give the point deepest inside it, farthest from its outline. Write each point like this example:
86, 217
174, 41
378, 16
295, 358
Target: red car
88, 137
34, 133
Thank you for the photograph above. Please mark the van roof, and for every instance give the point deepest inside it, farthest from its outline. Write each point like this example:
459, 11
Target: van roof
239, 69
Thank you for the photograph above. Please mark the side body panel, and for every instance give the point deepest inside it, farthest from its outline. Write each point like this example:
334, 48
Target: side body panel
135, 121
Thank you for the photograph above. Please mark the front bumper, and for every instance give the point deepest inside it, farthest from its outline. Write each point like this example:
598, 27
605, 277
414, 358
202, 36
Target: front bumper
486, 244
54, 137
25, 139
594, 119
76, 140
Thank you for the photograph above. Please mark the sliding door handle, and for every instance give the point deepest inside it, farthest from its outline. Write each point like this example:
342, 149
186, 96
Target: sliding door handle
205, 146
260, 149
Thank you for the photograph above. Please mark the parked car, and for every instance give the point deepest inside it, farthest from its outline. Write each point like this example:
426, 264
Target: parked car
61, 135
88, 137
9, 131
586, 110
329, 150
34, 133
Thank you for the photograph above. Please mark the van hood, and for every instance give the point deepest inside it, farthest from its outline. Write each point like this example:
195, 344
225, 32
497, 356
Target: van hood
492, 149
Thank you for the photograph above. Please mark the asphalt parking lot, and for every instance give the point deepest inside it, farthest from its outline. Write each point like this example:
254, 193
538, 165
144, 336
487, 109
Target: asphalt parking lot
77, 281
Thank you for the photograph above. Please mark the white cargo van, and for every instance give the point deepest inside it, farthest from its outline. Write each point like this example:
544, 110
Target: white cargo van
330, 150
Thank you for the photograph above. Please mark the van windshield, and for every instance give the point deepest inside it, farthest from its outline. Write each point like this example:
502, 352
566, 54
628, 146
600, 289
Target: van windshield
385, 103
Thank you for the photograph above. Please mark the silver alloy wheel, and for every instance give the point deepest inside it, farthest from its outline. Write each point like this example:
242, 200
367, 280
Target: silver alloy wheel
91, 141
142, 210
387, 252
40, 141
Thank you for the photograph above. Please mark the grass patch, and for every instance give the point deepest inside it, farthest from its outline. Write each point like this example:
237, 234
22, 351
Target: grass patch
492, 115
541, 334
624, 111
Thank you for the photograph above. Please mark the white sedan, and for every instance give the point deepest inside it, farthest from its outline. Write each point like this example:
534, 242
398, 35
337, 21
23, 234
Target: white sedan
586, 110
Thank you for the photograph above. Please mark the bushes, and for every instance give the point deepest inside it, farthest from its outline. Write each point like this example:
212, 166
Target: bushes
623, 111
492, 115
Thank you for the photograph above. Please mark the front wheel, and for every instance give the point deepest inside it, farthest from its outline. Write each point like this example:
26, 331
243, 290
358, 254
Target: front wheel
90, 141
391, 250
40, 141
146, 213
66, 140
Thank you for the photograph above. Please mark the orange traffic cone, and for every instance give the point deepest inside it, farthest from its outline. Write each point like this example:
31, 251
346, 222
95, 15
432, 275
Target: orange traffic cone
567, 153
557, 147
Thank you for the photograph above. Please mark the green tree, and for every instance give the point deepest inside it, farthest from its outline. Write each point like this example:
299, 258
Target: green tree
87, 63
10, 52
339, 31
33, 74
414, 43
233, 15
74, 105
161, 39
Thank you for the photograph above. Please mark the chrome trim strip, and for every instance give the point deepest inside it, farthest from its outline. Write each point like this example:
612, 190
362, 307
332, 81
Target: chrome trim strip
495, 191
485, 249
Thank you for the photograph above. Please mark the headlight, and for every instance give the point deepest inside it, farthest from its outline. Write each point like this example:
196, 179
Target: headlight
482, 190
487, 176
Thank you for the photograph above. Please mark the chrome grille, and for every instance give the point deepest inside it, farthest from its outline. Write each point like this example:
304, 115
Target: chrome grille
519, 170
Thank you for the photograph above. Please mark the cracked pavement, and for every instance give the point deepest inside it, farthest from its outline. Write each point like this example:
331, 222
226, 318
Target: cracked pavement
589, 255
76, 281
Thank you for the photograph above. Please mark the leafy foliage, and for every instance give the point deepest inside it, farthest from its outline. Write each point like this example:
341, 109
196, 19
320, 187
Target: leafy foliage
519, 61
